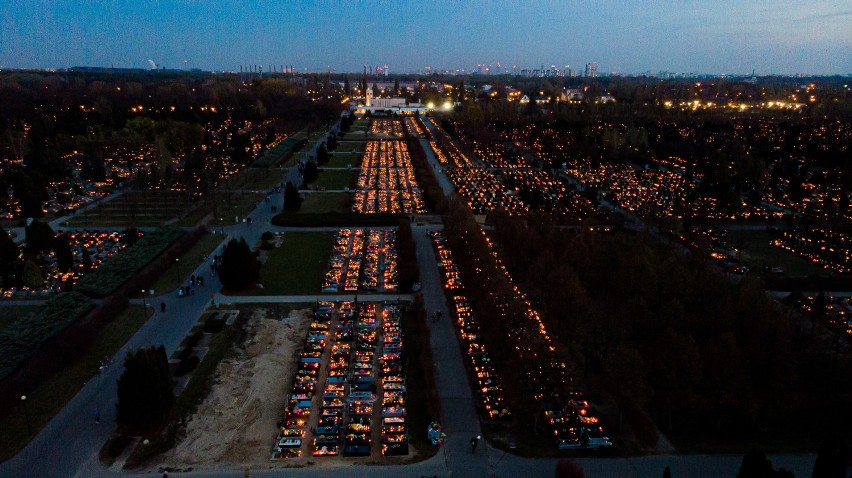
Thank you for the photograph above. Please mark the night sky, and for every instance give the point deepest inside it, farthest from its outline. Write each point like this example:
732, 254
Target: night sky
719, 36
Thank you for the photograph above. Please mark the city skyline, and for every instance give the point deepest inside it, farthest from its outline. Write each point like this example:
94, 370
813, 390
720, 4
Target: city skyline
685, 37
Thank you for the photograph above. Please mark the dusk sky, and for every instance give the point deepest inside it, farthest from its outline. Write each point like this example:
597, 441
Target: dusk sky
720, 36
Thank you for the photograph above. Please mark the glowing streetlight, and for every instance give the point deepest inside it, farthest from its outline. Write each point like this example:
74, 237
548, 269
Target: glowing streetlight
177, 266
447, 105
26, 414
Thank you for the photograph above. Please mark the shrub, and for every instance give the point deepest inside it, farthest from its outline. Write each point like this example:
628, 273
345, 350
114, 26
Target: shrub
185, 353
213, 325
266, 236
187, 365
193, 339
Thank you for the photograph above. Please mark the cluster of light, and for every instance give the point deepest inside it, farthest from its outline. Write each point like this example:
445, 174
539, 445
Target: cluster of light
414, 127
362, 259
388, 128
292, 427
100, 246
386, 182
828, 248
487, 388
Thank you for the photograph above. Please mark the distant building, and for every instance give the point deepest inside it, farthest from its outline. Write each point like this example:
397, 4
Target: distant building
592, 69
572, 94
394, 105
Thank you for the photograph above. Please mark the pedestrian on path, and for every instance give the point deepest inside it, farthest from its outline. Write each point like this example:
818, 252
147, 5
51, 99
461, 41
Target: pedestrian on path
162, 306
97, 416
473, 442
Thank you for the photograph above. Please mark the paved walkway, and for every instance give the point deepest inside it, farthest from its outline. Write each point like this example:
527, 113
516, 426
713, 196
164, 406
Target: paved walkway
295, 299
446, 184
458, 408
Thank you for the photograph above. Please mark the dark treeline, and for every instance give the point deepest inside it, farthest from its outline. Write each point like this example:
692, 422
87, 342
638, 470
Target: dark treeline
709, 360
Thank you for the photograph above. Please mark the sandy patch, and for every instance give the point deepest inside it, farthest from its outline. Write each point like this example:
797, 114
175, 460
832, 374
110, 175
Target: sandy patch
235, 424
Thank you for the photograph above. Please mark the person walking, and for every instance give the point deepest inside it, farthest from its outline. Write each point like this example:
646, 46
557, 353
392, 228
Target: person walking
473, 442
162, 306
97, 416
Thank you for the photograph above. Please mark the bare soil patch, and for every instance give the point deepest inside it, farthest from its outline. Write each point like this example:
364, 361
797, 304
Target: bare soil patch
235, 425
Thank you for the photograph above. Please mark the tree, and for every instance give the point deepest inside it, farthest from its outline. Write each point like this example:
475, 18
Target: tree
310, 173
29, 194
375, 90
40, 237
64, 254
8, 259
145, 390
568, 468
130, 236
86, 262
292, 200
322, 154
332, 143
239, 267
755, 465
346, 88
831, 458
396, 86
31, 275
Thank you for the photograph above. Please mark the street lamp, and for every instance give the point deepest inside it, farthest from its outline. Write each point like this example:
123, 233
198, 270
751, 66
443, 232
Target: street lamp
222, 227
144, 306
177, 263
26, 414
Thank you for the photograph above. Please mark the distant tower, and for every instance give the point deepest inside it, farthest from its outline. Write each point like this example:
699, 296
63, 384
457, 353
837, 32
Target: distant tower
592, 69
369, 95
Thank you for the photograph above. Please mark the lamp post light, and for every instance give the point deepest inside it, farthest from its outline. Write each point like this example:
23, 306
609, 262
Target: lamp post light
26, 414
144, 306
177, 263
222, 227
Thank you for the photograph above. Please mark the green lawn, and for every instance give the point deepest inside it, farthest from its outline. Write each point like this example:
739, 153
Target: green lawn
133, 208
757, 250
52, 395
298, 266
10, 313
360, 125
336, 179
188, 263
346, 146
342, 159
326, 202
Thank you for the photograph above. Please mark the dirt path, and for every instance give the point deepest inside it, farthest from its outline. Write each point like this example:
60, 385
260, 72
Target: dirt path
235, 424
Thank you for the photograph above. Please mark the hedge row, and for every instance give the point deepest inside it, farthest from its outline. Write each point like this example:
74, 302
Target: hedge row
336, 219
22, 337
283, 151
116, 271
